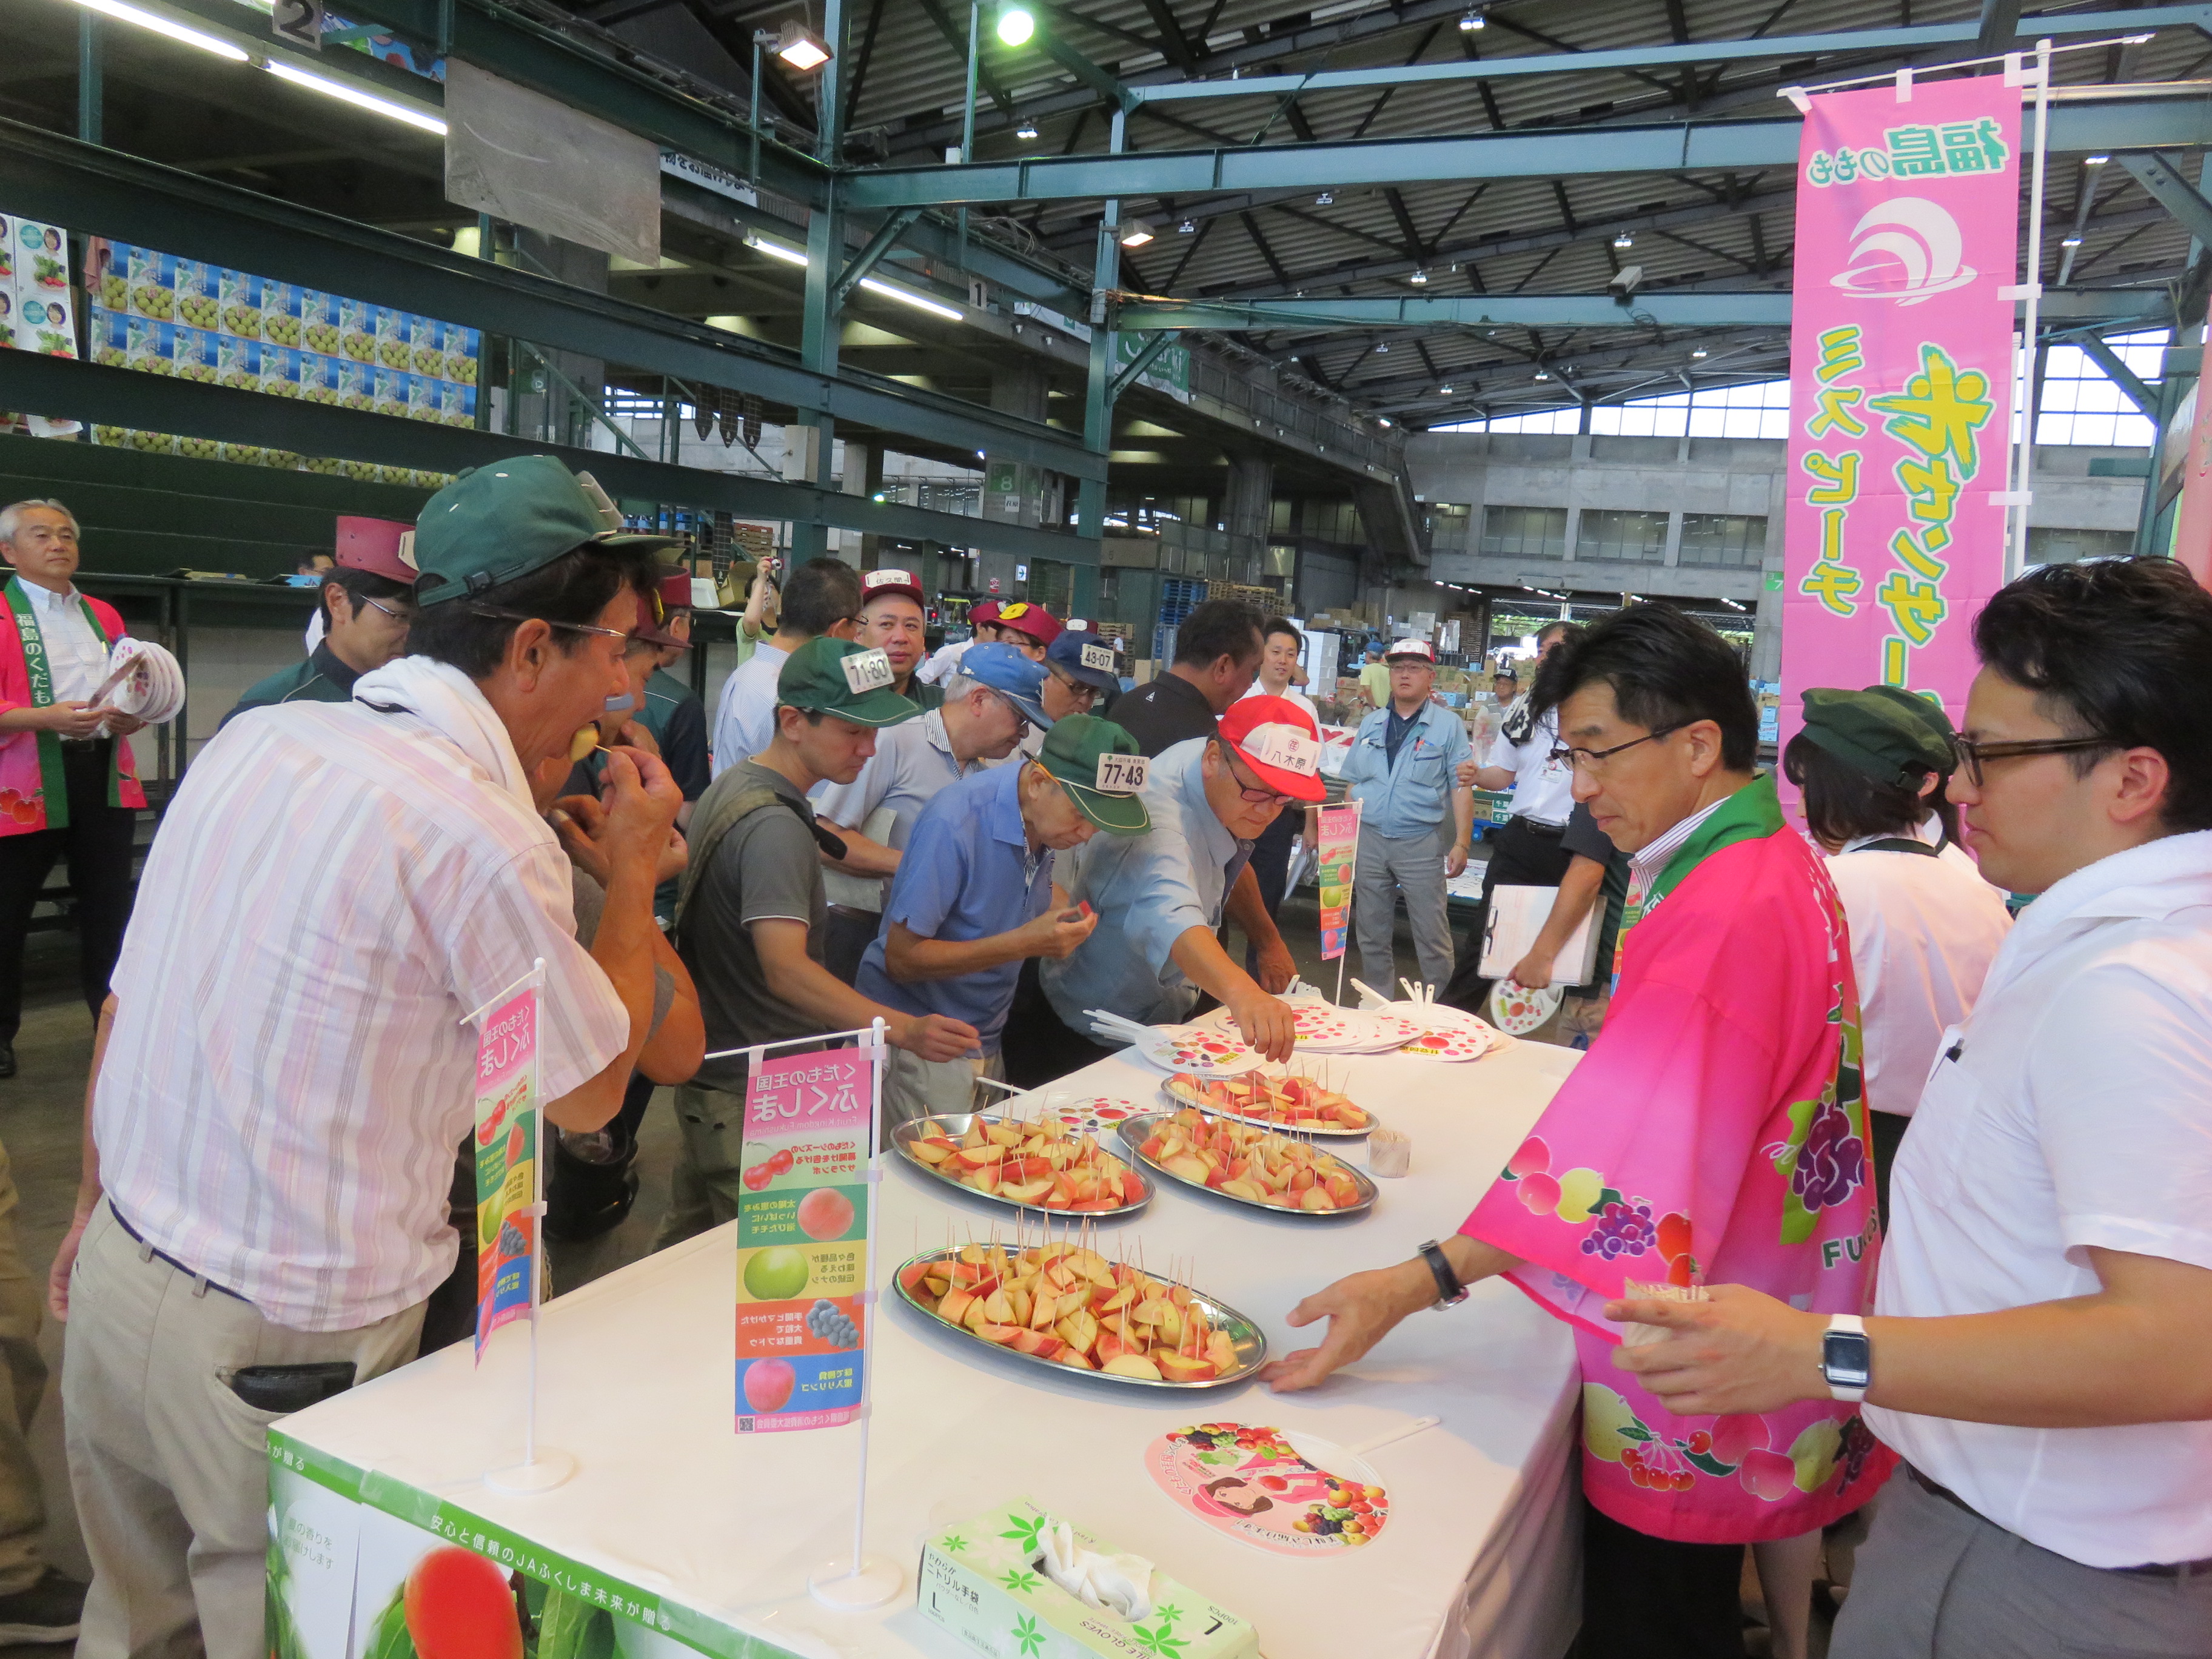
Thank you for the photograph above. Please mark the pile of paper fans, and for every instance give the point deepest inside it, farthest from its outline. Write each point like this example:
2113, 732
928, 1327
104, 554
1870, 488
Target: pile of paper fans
144, 681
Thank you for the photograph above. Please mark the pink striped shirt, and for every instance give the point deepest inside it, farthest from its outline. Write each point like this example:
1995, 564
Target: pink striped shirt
331, 890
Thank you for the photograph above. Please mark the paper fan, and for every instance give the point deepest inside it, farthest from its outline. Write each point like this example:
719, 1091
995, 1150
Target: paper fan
1518, 1010
1197, 1051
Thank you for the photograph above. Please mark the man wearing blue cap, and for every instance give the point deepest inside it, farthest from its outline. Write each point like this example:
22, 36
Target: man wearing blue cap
990, 700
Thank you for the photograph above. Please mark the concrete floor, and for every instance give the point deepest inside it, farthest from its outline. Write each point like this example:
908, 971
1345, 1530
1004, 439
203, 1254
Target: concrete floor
40, 1124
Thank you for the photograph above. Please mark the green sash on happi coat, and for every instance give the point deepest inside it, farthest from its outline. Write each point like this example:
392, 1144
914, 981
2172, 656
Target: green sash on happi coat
53, 790
1753, 812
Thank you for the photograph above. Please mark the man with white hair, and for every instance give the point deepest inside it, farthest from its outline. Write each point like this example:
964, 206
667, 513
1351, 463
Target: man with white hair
990, 700
69, 783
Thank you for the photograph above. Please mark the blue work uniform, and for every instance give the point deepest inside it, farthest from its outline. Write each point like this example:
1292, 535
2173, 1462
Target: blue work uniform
1405, 802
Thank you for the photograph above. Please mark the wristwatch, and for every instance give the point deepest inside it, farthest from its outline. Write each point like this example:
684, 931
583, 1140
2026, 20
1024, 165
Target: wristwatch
1846, 1358
1449, 1291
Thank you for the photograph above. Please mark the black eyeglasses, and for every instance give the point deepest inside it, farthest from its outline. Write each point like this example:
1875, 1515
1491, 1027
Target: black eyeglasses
1589, 760
574, 628
1972, 755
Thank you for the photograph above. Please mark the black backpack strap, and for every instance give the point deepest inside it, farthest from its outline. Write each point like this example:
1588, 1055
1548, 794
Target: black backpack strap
1900, 844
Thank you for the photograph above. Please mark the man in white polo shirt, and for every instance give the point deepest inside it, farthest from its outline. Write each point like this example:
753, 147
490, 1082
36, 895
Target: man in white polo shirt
2040, 1352
283, 1071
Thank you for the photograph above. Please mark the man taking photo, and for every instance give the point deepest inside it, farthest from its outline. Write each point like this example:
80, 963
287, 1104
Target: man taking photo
2040, 1352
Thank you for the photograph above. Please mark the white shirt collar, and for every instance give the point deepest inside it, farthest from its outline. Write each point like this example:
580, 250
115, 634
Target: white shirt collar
2153, 881
46, 598
1652, 859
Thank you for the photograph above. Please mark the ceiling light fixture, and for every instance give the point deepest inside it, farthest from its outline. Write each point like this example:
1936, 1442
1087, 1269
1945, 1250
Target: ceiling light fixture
1624, 241
2069, 241
1471, 21
801, 47
1324, 198
1027, 130
790, 255
1541, 375
1187, 228
1383, 347
1444, 391
1135, 233
359, 99
1016, 25
2095, 161
1699, 352
1418, 279
147, 20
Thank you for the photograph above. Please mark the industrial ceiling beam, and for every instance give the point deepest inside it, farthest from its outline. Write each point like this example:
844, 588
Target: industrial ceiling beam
1630, 58
2116, 123
2166, 186
104, 192
515, 48
121, 397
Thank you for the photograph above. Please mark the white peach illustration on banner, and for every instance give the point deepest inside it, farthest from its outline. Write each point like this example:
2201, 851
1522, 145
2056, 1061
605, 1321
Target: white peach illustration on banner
1906, 249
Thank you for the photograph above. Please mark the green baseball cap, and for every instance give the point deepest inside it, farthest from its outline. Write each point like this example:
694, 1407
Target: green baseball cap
1885, 731
1075, 751
494, 523
844, 680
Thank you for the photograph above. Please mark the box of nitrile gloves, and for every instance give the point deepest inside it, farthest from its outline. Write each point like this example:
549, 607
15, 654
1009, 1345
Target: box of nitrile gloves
981, 1582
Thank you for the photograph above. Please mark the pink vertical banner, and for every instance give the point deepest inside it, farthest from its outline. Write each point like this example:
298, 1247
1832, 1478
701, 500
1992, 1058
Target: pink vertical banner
1337, 853
506, 1163
1901, 386
803, 1240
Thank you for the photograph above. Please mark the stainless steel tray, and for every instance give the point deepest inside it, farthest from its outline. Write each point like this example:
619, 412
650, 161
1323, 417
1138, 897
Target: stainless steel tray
1137, 1130
1251, 1345
1318, 1131
956, 1124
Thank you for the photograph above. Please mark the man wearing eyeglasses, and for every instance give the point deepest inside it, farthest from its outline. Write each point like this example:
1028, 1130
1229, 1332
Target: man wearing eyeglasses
288, 1059
990, 700
2041, 1353
1714, 1130
366, 604
1159, 895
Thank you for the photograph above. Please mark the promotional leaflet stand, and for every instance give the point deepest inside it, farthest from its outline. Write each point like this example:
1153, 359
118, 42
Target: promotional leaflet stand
861, 1581
506, 1056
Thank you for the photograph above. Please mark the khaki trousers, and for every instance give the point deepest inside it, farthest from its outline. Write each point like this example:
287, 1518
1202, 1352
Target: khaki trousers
915, 1087
169, 1467
22, 1381
704, 1186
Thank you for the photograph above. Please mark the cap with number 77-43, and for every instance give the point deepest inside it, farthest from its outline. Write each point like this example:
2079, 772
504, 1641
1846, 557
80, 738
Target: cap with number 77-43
1072, 751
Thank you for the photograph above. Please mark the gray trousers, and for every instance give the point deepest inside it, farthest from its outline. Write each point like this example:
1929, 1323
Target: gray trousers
1387, 868
915, 1087
1933, 1581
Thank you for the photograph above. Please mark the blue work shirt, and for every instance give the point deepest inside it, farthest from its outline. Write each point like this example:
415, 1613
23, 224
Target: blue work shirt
1149, 891
1413, 795
967, 873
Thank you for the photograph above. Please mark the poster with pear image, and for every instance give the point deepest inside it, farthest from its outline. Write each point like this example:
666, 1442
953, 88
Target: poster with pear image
803, 1240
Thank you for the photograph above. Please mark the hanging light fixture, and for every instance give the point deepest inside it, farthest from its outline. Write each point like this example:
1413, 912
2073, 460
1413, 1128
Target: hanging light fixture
1542, 375
1324, 198
1027, 130
1016, 25
1444, 390
1471, 21
1624, 241
1699, 353
1135, 233
1418, 279
801, 47
1187, 228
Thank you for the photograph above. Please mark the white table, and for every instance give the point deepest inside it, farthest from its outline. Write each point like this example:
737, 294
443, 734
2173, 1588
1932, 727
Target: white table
1480, 1558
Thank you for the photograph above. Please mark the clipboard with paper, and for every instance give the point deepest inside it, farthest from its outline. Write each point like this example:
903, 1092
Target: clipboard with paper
1517, 916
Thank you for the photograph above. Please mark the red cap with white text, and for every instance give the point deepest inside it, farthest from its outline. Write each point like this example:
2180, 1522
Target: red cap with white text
875, 582
1279, 741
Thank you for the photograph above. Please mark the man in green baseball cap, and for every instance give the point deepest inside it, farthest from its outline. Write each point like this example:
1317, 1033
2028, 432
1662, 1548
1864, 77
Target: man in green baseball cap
979, 893
753, 917
1924, 926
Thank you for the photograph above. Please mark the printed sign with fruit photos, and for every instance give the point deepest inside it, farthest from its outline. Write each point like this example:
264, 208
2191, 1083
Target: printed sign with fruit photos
803, 1240
1255, 1485
507, 1135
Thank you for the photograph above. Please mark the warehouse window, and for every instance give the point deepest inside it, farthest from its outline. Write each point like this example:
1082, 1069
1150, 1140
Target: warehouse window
1727, 539
1639, 538
1758, 410
2080, 405
1525, 532
2047, 546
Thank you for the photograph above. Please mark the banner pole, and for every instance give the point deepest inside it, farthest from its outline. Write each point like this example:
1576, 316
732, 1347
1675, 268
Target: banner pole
2025, 471
866, 1583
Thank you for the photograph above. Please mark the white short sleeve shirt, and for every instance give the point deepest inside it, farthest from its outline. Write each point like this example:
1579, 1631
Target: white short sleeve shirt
2073, 1108
1543, 788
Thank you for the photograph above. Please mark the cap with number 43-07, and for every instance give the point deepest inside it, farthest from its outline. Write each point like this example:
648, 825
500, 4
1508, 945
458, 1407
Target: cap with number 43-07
1098, 763
1279, 741
1086, 656
843, 680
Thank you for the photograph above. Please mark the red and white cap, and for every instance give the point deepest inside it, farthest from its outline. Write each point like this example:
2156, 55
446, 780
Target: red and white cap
1418, 650
1279, 741
875, 582
380, 546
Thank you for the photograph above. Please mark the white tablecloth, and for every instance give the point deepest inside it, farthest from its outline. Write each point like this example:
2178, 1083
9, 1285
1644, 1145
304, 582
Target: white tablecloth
637, 1369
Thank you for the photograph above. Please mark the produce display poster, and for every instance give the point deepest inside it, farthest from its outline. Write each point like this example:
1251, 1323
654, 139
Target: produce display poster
803, 1240
1337, 849
1255, 1485
506, 1164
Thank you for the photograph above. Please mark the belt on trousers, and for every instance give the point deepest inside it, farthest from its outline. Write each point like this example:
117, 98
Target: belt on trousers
198, 1279
1537, 826
2153, 1570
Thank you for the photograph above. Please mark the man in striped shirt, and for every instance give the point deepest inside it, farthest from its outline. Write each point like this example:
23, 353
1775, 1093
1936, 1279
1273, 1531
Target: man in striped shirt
283, 1071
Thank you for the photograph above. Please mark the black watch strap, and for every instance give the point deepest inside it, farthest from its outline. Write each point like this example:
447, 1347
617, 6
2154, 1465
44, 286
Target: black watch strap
1450, 1290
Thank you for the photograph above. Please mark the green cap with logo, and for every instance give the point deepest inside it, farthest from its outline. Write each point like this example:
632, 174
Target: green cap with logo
1885, 731
844, 680
494, 524
1076, 751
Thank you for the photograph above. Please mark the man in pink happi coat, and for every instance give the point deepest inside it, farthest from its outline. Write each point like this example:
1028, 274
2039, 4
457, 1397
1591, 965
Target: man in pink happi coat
1714, 1131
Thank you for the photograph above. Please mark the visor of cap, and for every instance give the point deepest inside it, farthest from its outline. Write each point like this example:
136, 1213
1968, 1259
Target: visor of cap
1118, 815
